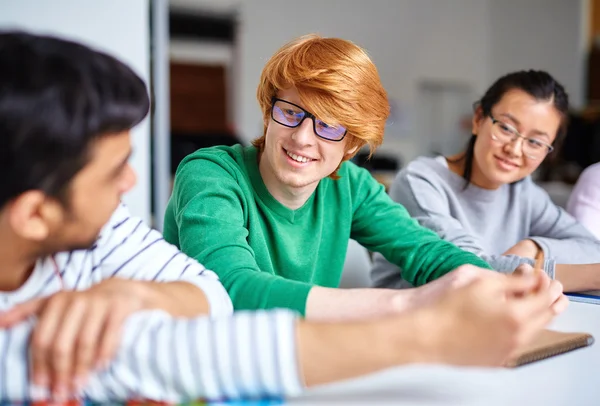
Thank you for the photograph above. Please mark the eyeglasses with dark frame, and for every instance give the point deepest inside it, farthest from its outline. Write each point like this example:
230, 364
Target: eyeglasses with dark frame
291, 115
531, 147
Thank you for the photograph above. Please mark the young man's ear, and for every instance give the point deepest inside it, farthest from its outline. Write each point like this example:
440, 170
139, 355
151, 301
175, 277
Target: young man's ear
352, 150
30, 214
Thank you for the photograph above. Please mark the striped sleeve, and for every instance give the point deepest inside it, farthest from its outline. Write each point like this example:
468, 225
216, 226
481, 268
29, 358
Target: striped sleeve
128, 248
14, 343
250, 355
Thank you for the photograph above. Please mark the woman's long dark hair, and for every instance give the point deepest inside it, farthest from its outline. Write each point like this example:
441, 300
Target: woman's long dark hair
538, 84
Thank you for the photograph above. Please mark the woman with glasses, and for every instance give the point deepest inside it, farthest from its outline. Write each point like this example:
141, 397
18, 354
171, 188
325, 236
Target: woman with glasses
484, 201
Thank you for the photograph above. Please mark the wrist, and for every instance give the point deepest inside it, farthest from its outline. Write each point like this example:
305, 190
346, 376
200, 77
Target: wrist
416, 340
534, 248
402, 300
142, 293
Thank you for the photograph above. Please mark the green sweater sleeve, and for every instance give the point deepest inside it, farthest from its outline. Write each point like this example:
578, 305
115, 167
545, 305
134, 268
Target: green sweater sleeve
209, 207
382, 225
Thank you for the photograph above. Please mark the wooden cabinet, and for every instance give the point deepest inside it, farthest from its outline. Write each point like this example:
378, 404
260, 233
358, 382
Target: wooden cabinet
198, 99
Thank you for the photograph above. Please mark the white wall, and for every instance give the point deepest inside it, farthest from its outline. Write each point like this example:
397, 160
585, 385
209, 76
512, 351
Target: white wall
115, 26
409, 41
212, 6
541, 34
468, 42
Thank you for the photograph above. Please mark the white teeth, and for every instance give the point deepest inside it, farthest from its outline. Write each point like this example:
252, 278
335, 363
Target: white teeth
297, 158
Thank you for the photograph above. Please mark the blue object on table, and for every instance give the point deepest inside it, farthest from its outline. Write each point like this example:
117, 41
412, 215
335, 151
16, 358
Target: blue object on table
265, 402
592, 297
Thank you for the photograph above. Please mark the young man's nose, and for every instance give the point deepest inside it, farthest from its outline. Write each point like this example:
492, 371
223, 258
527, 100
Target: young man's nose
304, 134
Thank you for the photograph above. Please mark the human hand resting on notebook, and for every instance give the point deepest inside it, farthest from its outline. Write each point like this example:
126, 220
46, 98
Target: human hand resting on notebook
487, 320
432, 291
466, 274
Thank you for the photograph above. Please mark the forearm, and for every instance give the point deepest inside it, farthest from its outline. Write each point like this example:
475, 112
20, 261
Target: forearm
525, 248
257, 290
578, 277
421, 253
162, 358
570, 251
331, 352
248, 355
130, 250
326, 304
574, 277
178, 299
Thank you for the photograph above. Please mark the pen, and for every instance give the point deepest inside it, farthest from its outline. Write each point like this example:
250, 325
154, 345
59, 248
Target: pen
539, 262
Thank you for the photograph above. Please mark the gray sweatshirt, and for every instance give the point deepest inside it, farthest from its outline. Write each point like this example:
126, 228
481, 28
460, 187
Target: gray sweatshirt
486, 222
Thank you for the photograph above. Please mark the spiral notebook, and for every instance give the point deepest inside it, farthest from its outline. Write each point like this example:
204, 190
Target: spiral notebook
548, 344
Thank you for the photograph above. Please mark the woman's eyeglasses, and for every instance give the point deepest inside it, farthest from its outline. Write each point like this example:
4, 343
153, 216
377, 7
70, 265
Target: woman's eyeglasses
532, 147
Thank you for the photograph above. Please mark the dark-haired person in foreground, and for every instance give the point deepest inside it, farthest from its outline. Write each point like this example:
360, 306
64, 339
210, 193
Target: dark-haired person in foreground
75, 266
484, 200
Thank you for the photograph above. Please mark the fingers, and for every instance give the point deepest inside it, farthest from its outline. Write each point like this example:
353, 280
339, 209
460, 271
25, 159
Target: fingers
43, 337
63, 351
519, 284
560, 305
74, 331
536, 322
87, 346
66, 343
523, 269
540, 301
20, 312
528, 270
555, 290
111, 336
536, 311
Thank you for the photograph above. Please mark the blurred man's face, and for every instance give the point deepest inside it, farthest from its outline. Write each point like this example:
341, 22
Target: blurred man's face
94, 194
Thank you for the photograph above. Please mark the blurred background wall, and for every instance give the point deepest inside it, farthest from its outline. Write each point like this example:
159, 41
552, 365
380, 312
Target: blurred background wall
435, 59
119, 27
455, 48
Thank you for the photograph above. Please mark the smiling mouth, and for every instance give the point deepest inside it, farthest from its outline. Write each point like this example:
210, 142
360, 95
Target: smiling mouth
507, 162
298, 158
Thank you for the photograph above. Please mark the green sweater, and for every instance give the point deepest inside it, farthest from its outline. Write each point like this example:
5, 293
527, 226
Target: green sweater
269, 256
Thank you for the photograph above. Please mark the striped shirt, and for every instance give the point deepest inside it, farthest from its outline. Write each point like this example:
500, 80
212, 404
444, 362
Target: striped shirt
161, 357
248, 355
126, 248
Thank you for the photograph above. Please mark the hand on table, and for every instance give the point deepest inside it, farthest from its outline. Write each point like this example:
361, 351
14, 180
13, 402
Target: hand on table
559, 300
76, 332
433, 291
487, 320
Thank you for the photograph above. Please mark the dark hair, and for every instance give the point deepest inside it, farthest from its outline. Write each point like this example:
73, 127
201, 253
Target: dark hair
538, 84
56, 98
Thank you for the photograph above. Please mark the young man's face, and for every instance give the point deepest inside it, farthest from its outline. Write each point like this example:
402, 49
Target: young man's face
94, 194
297, 157
97, 189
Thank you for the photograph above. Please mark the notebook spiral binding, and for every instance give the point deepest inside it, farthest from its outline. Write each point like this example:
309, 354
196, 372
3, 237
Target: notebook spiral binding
543, 353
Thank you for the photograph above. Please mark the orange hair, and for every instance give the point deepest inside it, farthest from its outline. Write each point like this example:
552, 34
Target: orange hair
336, 81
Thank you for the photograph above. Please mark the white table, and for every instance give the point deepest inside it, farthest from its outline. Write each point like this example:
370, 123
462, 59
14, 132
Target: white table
568, 379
